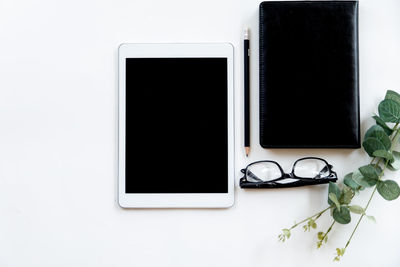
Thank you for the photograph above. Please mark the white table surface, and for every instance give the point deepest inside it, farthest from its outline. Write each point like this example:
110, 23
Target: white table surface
58, 144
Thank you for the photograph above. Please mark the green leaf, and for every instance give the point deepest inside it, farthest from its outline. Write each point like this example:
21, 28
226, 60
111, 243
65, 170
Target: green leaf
348, 180
393, 96
379, 133
333, 188
356, 209
368, 176
389, 111
342, 216
369, 171
388, 189
378, 169
334, 199
321, 235
340, 251
370, 217
372, 144
384, 138
346, 196
395, 164
357, 177
285, 235
286, 232
372, 130
383, 154
383, 124
391, 168
365, 176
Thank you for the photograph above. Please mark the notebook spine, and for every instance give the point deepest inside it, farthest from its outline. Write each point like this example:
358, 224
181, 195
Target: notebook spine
261, 74
357, 72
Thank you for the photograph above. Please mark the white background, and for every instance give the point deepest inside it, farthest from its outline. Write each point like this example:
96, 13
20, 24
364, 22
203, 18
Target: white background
58, 144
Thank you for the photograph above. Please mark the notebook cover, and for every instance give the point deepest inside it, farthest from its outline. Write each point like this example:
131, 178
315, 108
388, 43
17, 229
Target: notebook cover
309, 95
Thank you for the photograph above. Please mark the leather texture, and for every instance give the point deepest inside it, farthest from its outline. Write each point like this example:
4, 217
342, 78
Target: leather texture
309, 76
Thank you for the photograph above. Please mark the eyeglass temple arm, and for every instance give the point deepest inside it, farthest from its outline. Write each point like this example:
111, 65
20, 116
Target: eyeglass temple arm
286, 185
252, 175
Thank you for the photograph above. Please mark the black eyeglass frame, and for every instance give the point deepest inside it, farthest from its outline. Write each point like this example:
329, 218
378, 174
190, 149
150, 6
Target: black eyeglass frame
301, 181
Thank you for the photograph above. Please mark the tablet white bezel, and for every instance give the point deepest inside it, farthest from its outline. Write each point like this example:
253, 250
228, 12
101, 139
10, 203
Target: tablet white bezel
181, 200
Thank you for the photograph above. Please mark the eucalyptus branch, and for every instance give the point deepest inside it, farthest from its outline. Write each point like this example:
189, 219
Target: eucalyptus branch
311, 224
394, 141
317, 215
379, 143
359, 220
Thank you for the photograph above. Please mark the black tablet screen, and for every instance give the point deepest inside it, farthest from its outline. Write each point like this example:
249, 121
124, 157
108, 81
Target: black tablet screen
176, 125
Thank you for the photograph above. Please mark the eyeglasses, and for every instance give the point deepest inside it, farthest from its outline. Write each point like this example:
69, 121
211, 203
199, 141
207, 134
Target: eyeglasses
305, 171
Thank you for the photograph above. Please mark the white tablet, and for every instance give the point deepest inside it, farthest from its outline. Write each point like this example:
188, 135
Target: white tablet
176, 136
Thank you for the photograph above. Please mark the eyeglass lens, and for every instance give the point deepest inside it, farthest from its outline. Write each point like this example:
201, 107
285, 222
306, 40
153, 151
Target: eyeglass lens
263, 171
311, 168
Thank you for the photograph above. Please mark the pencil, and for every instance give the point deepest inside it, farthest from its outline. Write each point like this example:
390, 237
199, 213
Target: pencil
246, 91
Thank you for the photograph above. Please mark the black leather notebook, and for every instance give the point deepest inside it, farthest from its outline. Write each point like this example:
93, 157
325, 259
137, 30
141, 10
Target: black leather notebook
309, 87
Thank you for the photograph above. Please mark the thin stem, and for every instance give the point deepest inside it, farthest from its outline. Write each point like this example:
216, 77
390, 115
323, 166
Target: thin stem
373, 160
369, 200
394, 141
325, 236
394, 129
359, 220
377, 163
317, 214
329, 229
